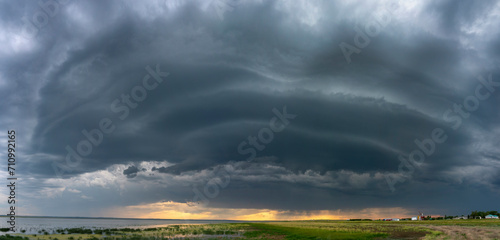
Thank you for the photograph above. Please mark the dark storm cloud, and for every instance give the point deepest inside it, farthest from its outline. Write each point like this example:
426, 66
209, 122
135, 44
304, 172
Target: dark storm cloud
131, 171
225, 77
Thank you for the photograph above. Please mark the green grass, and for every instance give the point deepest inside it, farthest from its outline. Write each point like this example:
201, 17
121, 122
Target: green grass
9, 237
462, 222
259, 230
271, 230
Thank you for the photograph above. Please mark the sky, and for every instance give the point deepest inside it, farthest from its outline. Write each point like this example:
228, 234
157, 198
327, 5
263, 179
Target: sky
251, 110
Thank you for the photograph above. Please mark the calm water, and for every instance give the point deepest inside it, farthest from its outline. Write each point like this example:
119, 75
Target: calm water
33, 225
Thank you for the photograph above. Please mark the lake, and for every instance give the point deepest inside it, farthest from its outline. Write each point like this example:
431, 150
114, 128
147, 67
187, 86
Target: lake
34, 224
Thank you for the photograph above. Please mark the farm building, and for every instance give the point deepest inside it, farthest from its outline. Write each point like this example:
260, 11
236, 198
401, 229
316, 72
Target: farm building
491, 216
390, 219
419, 217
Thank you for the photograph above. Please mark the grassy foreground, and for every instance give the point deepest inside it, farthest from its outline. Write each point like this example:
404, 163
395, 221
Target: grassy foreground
437, 229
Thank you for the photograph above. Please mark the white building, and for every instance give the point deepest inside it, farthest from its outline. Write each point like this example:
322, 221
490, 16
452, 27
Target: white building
491, 216
414, 218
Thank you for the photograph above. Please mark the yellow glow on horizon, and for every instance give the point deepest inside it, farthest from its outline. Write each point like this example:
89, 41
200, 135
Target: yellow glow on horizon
175, 210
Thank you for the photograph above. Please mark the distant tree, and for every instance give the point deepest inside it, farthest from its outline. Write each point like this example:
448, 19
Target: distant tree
492, 213
477, 214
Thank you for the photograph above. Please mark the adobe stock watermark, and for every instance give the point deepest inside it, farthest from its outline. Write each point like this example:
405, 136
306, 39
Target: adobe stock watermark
48, 9
372, 28
426, 147
122, 107
250, 147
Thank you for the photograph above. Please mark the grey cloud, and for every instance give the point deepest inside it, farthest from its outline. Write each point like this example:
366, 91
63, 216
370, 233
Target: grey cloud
226, 76
131, 172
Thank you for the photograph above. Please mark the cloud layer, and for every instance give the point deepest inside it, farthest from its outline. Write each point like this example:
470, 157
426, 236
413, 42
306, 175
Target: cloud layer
92, 65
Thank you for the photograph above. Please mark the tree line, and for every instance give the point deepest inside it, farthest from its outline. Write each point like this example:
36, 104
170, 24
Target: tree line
475, 214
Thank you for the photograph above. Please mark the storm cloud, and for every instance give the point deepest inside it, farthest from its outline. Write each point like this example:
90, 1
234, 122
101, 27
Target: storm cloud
166, 97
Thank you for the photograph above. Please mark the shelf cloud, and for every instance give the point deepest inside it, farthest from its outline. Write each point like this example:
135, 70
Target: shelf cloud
283, 107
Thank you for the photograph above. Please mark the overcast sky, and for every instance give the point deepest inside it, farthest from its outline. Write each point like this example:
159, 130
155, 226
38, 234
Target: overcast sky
239, 109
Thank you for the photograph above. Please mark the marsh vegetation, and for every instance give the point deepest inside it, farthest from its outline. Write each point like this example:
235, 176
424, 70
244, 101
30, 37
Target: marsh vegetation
294, 230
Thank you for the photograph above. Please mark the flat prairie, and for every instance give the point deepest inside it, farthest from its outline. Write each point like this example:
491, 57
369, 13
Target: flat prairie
292, 230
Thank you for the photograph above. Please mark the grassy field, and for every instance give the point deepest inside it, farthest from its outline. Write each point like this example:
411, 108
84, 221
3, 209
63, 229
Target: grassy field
437, 229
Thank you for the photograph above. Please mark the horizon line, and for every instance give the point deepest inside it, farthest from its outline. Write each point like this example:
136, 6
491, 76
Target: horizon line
33, 216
